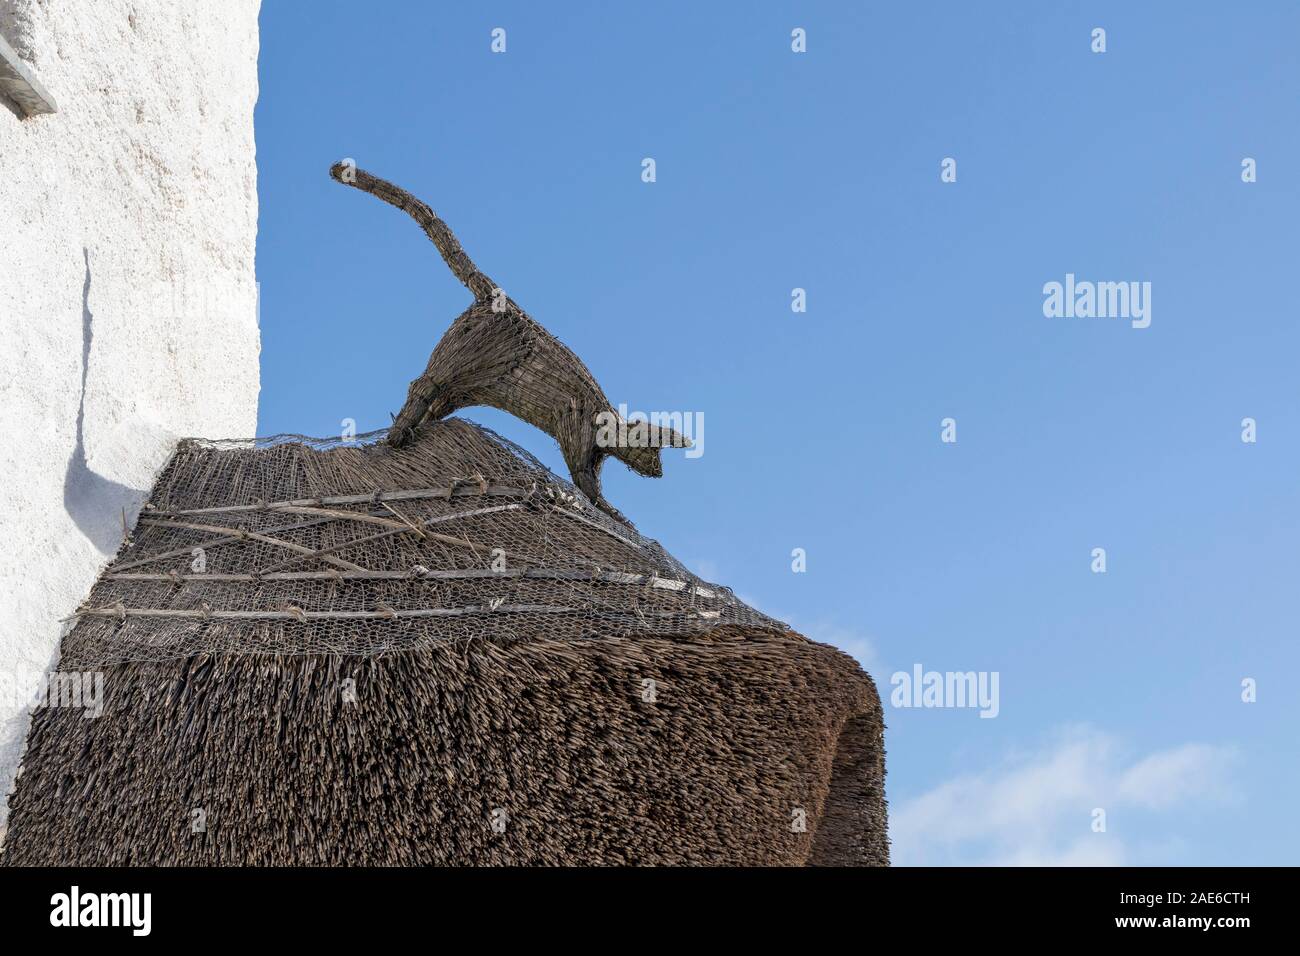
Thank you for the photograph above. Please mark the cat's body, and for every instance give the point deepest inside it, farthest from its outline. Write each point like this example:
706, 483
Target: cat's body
496, 354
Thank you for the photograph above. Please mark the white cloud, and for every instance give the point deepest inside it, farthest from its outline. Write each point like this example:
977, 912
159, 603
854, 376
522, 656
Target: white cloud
1159, 780
1036, 809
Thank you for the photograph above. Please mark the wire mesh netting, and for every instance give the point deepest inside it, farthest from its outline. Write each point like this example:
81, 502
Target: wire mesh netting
292, 545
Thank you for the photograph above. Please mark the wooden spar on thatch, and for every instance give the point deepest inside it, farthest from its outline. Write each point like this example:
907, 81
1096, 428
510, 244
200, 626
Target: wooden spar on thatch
496, 354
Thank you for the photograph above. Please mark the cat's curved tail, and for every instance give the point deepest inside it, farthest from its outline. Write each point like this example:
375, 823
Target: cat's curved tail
347, 173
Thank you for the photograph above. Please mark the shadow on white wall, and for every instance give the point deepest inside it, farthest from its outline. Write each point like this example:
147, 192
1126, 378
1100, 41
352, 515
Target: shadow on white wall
96, 504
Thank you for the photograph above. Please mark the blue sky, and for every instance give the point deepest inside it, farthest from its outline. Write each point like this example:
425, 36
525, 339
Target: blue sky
821, 170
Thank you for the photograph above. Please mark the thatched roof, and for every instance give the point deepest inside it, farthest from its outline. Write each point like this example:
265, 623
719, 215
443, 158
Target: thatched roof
551, 740
430, 649
385, 692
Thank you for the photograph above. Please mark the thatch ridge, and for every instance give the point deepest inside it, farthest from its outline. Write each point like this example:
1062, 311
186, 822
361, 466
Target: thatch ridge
303, 546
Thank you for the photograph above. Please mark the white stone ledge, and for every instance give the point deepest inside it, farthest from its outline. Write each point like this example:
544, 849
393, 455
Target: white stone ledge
19, 84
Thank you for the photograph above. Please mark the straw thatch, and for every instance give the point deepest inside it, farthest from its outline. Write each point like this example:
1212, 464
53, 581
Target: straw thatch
430, 649
654, 719
541, 752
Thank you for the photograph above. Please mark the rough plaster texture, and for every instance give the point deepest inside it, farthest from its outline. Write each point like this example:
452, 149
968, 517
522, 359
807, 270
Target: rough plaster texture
128, 303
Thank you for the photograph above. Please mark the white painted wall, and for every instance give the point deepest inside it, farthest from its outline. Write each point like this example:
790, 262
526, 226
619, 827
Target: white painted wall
127, 229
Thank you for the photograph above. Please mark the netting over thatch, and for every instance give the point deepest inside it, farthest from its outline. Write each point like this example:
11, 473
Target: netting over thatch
299, 546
